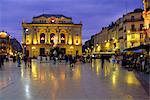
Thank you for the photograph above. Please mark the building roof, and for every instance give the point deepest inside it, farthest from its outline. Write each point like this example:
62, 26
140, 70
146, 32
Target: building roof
16, 45
52, 15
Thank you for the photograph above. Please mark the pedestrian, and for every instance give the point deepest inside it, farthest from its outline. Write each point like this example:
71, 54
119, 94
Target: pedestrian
66, 59
0, 62
40, 59
102, 61
19, 60
30, 62
113, 60
60, 57
54, 56
25, 60
71, 60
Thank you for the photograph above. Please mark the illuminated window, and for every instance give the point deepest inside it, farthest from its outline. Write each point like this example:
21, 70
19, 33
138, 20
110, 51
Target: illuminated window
62, 38
42, 38
114, 45
141, 27
132, 36
27, 41
76, 41
141, 35
132, 44
132, 18
133, 27
52, 36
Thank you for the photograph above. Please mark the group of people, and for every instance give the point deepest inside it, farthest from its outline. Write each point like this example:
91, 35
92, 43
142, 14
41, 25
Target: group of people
137, 61
68, 59
27, 61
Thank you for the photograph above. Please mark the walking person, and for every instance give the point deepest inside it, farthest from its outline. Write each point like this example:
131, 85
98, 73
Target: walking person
0, 62
30, 62
113, 60
25, 61
71, 60
19, 60
54, 56
102, 61
66, 59
60, 57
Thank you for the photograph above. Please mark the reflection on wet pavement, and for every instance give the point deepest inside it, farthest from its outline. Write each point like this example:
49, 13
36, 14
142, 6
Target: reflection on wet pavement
46, 81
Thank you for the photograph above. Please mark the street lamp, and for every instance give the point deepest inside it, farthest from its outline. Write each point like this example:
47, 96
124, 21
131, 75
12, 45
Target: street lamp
25, 32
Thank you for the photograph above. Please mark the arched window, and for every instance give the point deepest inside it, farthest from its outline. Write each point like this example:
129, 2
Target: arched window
62, 38
42, 38
52, 36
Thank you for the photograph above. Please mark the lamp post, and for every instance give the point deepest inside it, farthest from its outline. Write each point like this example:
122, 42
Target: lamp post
25, 32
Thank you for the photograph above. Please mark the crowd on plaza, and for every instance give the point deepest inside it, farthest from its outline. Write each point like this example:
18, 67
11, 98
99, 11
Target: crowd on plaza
129, 60
134, 61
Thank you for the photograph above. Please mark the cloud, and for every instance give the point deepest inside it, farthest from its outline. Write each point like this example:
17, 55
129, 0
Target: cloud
93, 13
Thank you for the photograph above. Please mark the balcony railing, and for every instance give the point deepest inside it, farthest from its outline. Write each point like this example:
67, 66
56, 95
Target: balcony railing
133, 20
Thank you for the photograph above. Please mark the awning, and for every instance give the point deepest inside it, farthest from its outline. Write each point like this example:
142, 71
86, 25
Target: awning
145, 47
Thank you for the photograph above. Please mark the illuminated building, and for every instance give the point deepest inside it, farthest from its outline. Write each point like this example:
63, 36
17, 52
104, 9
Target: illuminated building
125, 32
48, 31
146, 15
8, 45
4, 43
133, 25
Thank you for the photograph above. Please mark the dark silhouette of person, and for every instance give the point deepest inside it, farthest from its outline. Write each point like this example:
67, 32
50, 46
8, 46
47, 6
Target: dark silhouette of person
0, 62
19, 60
66, 59
102, 61
30, 62
25, 60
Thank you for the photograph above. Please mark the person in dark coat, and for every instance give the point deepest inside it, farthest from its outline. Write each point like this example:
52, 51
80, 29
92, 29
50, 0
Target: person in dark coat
66, 59
0, 62
30, 62
19, 60
71, 60
25, 60
102, 61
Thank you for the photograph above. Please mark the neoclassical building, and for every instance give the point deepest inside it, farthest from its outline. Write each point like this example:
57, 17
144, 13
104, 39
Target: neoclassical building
48, 31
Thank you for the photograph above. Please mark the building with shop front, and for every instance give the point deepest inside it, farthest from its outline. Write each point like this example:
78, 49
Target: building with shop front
48, 31
125, 32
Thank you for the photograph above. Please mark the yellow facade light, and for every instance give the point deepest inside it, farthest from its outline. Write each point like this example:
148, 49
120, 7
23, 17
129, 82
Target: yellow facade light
11, 53
42, 38
33, 48
128, 31
70, 40
71, 47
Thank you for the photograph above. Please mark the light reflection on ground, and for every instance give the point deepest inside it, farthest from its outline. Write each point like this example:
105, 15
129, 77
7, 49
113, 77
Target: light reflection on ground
84, 81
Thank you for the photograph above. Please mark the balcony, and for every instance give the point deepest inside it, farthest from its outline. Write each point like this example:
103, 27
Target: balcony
133, 20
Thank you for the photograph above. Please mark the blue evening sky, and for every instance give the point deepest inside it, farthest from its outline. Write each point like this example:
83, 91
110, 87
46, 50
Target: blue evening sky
94, 14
